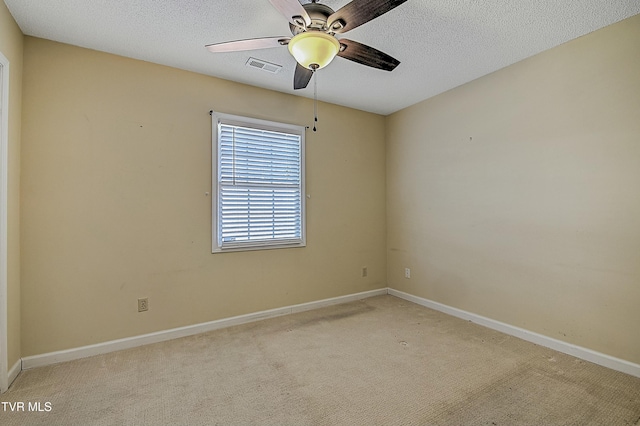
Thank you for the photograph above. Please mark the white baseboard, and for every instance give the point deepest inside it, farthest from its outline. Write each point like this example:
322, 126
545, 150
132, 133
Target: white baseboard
161, 336
539, 339
11, 375
14, 371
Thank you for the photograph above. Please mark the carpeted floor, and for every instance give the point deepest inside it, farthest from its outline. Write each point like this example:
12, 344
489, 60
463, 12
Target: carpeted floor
379, 361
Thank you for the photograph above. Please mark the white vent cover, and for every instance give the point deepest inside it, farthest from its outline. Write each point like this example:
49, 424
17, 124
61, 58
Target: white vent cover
263, 65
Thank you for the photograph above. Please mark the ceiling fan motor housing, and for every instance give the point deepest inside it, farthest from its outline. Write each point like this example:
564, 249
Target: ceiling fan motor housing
319, 13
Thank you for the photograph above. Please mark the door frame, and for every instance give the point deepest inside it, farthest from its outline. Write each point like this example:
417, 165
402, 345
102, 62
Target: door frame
4, 187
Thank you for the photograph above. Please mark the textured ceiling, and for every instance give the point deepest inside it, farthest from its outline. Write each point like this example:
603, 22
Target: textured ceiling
441, 43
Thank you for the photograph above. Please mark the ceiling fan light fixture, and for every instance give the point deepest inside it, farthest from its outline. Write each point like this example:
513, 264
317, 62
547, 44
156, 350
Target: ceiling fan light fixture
314, 49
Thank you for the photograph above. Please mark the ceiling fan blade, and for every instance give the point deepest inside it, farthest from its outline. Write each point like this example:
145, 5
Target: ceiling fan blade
301, 77
293, 11
366, 55
248, 44
360, 12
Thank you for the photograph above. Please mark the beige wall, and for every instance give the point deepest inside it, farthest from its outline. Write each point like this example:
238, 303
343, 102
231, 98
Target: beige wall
516, 196
116, 164
11, 46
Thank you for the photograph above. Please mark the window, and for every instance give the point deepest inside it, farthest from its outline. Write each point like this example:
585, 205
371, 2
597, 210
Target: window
258, 184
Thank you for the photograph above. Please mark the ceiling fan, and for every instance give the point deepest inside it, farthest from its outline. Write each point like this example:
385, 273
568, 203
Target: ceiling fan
314, 43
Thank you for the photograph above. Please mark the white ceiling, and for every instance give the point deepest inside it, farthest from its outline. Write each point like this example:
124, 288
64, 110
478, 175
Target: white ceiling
441, 43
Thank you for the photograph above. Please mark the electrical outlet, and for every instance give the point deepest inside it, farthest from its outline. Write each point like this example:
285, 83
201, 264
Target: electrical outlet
143, 305
407, 272
364, 272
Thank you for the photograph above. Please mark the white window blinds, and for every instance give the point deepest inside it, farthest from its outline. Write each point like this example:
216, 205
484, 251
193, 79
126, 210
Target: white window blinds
259, 185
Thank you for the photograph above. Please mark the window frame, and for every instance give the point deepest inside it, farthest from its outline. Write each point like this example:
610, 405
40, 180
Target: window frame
235, 120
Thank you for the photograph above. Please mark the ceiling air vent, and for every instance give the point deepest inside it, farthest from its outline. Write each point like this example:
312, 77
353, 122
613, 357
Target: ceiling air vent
263, 65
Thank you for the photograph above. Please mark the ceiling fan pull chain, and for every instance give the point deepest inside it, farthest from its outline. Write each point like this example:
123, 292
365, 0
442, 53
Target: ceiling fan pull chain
315, 99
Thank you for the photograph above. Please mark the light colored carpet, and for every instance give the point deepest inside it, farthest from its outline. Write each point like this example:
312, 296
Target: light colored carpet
380, 361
